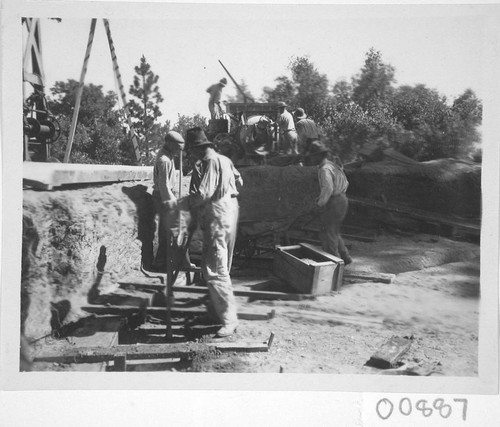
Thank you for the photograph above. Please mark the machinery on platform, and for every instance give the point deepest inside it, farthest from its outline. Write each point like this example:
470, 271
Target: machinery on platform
40, 127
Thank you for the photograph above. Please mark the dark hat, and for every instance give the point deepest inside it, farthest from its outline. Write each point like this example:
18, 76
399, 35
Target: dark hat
300, 114
317, 147
281, 104
195, 137
174, 136
223, 81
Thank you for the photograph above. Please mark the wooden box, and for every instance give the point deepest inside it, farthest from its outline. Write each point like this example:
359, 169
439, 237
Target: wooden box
308, 269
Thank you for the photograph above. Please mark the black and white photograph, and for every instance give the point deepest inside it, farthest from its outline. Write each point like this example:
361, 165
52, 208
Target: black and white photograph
202, 191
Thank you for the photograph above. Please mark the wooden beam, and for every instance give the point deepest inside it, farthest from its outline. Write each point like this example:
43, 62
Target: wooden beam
79, 92
267, 295
160, 311
148, 351
370, 277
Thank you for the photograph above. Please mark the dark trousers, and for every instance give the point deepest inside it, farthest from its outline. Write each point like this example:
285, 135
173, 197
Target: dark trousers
332, 216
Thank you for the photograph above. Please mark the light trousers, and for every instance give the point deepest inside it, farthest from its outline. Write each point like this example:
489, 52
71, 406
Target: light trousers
218, 223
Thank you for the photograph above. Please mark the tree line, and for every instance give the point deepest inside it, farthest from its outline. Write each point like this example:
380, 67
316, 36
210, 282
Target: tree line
415, 120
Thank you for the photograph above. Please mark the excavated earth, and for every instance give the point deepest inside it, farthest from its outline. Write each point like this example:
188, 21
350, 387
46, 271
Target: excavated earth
77, 243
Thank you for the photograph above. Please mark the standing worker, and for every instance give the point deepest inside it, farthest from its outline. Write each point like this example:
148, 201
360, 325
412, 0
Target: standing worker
307, 130
164, 198
288, 134
332, 200
213, 199
215, 92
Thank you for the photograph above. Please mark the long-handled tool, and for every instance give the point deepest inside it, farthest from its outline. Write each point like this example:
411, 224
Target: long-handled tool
171, 278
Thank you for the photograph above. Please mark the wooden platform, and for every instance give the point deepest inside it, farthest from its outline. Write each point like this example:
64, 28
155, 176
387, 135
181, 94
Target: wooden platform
46, 176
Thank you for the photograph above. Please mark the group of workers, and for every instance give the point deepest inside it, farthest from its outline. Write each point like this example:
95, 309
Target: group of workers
213, 204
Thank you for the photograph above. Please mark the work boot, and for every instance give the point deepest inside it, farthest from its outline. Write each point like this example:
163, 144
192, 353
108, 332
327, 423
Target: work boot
226, 331
347, 260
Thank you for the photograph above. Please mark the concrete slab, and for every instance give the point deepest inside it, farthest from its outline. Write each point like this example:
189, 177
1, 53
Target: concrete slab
46, 176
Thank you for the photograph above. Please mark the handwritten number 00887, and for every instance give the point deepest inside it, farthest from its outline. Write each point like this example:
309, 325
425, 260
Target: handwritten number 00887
385, 407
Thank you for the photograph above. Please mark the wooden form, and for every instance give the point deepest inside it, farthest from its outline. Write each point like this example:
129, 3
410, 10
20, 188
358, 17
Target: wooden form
308, 268
390, 353
120, 354
46, 176
160, 311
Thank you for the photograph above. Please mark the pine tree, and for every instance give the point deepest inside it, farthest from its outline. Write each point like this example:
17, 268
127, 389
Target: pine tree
144, 107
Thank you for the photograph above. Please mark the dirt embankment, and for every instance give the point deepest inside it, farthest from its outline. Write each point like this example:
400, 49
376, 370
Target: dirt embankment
68, 236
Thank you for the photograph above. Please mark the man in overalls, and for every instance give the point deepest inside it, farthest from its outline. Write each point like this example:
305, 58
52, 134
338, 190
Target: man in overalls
213, 200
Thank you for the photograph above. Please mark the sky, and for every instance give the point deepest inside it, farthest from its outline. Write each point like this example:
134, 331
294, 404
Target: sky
439, 46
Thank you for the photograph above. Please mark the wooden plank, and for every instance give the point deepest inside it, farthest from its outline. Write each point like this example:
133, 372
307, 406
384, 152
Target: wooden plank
389, 353
160, 311
370, 277
148, 351
267, 295
58, 174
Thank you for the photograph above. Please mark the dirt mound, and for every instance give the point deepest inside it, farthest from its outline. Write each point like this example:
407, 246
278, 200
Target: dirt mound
444, 186
271, 192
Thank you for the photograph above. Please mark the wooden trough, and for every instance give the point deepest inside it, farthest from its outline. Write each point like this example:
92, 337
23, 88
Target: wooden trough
308, 268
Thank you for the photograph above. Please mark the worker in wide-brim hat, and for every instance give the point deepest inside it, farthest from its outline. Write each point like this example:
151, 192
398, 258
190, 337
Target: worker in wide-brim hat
164, 198
213, 199
214, 101
307, 130
286, 130
332, 200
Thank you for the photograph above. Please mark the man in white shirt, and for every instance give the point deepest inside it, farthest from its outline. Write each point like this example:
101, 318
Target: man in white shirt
213, 199
332, 200
288, 134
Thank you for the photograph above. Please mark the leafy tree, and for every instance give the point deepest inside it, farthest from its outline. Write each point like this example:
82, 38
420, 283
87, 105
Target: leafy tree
144, 109
100, 136
187, 122
239, 97
284, 91
310, 85
94, 104
342, 92
374, 84
307, 88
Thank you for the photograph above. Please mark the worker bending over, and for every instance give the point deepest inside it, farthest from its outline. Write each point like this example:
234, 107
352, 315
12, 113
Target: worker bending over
332, 200
215, 92
307, 130
212, 197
